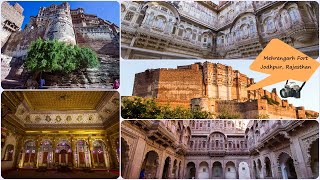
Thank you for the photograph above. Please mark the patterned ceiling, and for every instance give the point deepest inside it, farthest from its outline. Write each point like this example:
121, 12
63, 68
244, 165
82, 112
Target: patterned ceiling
63, 100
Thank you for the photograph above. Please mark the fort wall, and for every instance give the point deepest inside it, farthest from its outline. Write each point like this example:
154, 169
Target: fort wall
215, 88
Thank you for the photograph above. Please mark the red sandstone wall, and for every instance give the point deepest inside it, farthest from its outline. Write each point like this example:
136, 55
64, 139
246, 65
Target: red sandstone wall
179, 86
100, 42
146, 84
19, 42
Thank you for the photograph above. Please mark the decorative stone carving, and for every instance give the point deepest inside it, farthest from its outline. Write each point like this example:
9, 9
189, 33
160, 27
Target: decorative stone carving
37, 119
68, 118
58, 119
48, 118
79, 118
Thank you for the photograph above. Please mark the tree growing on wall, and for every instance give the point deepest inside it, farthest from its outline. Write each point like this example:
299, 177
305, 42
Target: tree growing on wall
55, 56
139, 108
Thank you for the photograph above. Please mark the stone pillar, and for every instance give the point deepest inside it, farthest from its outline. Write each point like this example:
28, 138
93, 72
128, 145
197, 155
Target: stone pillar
309, 170
21, 162
19, 146
298, 159
73, 149
278, 174
54, 147
170, 174
210, 170
105, 156
197, 170
128, 52
223, 171
36, 152
91, 151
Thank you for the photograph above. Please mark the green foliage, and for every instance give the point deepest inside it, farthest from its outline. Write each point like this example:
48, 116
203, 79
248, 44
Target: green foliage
139, 108
227, 114
263, 116
311, 116
270, 100
55, 56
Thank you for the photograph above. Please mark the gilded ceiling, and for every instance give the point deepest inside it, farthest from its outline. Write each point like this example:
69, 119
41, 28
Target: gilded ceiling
70, 109
63, 100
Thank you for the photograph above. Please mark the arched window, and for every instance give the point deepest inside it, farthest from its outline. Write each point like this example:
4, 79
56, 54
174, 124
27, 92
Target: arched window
294, 14
269, 24
205, 38
188, 34
180, 33
8, 155
160, 22
129, 16
252, 29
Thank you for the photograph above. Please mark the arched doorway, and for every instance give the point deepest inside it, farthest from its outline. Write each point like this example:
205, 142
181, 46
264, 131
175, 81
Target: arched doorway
255, 170
8, 153
230, 172
191, 170
267, 163
203, 171
174, 169
287, 167
217, 171
29, 154
260, 174
99, 154
179, 171
63, 153
63, 157
83, 154
124, 157
314, 154
166, 168
46, 154
150, 165
244, 171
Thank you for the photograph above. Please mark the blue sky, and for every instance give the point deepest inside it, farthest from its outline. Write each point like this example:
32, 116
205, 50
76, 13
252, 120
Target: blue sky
107, 10
309, 94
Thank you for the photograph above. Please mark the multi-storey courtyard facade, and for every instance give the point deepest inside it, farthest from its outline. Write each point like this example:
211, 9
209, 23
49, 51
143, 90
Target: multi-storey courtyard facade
230, 29
209, 149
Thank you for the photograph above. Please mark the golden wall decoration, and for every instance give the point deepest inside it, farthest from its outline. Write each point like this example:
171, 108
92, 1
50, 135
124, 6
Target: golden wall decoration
58, 119
48, 118
68, 118
79, 118
38, 119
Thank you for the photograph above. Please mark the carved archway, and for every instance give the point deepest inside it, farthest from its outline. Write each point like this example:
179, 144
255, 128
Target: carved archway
313, 157
191, 170
150, 166
286, 165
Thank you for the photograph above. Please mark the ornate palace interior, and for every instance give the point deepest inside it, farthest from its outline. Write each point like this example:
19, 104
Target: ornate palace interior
66, 134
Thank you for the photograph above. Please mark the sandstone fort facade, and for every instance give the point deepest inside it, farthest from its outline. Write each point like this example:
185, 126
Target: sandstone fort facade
58, 22
215, 88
